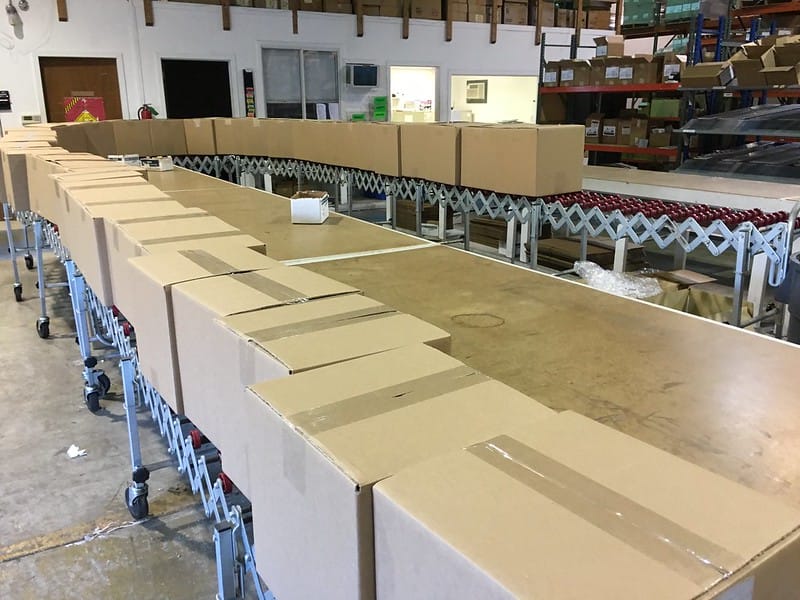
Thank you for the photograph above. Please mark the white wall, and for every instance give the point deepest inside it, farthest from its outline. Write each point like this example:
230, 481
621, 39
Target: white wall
508, 98
115, 28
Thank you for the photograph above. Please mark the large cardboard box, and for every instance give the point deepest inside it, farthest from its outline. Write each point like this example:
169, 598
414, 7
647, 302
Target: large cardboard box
599, 19
241, 136
478, 11
575, 73
72, 137
612, 70
748, 63
150, 283
706, 75
609, 46
338, 6
598, 74
119, 137
610, 131
459, 11
83, 232
318, 454
638, 70
13, 162
279, 138
375, 147
550, 77
276, 341
660, 137
594, 128
312, 5
786, 55
5, 145
168, 137
789, 75
431, 152
538, 160
515, 13
569, 508
674, 66
426, 9
633, 131
199, 135
128, 240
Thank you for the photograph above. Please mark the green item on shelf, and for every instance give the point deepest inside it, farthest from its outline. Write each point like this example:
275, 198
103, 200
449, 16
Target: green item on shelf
358, 117
380, 102
665, 108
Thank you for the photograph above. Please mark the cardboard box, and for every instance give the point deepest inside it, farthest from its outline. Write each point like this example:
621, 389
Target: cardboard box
338, 6
151, 281
537, 160
199, 135
72, 138
632, 130
660, 137
283, 338
431, 152
638, 70
168, 137
11, 145
594, 128
552, 109
83, 232
782, 75
128, 240
610, 46
310, 207
599, 19
515, 13
610, 131
478, 11
375, 147
568, 491
786, 55
748, 63
459, 11
669, 108
612, 69
13, 162
575, 73
119, 137
550, 77
706, 75
241, 136
598, 73
674, 66
317, 456
426, 9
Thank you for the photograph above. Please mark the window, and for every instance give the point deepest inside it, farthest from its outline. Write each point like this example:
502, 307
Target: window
300, 84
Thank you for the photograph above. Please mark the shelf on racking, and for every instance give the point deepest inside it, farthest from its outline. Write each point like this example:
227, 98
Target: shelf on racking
613, 89
670, 151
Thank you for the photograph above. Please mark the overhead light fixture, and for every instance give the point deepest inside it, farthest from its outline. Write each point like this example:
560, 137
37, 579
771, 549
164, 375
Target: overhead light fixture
13, 16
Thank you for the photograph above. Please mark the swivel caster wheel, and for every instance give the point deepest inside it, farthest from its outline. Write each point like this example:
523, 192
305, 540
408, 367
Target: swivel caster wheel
43, 327
18, 292
92, 399
137, 504
104, 383
29, 262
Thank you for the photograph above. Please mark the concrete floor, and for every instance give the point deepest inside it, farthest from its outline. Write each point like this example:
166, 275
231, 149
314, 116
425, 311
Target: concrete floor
64, 528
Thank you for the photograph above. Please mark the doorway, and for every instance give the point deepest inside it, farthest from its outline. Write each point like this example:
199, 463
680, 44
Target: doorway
196, 88
493, 98
413, 93
68, 77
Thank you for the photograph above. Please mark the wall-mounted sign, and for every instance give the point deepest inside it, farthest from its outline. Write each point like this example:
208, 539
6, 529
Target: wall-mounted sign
249, 93
83, 109
5, 100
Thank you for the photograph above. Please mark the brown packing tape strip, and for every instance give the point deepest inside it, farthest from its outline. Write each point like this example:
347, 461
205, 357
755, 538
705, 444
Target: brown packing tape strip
270, 287
321, 323
189, 238
651, 534
208, 261
384, 400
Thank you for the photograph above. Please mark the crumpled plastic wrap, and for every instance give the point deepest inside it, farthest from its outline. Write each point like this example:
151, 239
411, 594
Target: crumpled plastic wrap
621, 284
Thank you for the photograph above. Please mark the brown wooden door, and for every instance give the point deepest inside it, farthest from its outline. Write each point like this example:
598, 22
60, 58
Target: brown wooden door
63, 77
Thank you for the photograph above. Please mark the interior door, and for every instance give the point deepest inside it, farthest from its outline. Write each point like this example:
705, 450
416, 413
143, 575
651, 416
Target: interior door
196, 88
64, 77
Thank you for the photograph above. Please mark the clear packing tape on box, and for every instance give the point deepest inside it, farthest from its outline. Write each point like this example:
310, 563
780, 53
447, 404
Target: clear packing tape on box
621, 284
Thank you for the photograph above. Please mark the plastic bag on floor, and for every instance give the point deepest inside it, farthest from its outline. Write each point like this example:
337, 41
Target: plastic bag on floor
621, 284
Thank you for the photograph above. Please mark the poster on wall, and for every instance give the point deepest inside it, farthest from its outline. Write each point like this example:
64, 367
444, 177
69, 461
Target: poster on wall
83, 109
249, 93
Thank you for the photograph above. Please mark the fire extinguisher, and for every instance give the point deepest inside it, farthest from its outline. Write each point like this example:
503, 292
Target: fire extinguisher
146, 111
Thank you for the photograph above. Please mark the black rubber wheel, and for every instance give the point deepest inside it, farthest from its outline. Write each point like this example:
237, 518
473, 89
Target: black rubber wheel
29, 262
138, 507
104, 382
18, 293
92, 401
43, 329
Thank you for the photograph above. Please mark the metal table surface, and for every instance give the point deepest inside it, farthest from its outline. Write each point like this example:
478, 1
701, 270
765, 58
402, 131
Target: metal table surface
717, 396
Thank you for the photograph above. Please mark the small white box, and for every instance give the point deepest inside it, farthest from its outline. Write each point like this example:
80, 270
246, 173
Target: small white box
126, 159
310, 207
158, 163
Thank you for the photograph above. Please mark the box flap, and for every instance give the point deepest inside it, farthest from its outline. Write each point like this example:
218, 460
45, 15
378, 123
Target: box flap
193, 228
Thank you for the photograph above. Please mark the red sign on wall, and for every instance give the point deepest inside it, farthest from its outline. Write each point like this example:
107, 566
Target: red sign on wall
84, 108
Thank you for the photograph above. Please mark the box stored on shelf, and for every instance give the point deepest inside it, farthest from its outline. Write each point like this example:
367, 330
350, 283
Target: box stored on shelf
594, 128
612, 68
788, 75
550, 77
426, 9
598, 74
665, 108
610, 46
515, 13
674, 65
660, 137
536, 160
706, 75
575, 73
609, 131
633, 131
310, 207
325, 437
478, 11
748, 63
459, 11
568, 491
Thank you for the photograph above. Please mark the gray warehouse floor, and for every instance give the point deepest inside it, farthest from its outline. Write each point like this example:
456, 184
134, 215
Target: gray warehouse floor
64, 529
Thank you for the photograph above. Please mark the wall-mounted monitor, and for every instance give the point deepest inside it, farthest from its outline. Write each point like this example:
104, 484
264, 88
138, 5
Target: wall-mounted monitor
361, 75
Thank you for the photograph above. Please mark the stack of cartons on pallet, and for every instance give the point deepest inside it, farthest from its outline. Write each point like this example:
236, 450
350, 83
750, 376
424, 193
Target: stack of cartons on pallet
380, 467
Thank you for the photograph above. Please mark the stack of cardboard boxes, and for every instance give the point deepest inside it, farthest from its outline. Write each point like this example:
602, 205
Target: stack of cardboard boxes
377, 465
